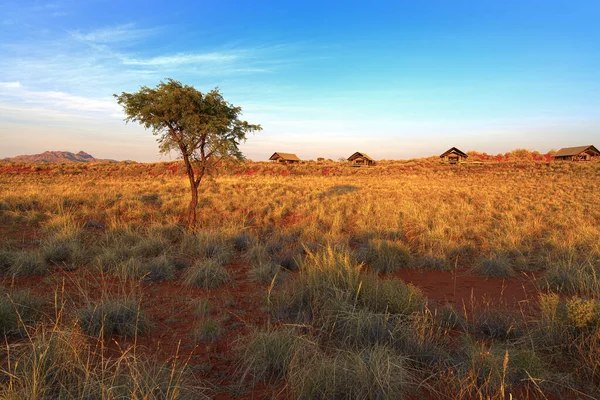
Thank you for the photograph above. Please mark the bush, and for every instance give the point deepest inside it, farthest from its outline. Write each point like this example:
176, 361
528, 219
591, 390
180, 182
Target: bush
117, 316
207, 273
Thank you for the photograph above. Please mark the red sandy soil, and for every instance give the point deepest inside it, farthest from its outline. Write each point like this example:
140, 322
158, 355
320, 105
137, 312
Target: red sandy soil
463, 289
240, 306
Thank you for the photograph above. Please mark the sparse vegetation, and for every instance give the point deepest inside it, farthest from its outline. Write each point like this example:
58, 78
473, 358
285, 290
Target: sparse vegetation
207, 273
127, 289
114, 316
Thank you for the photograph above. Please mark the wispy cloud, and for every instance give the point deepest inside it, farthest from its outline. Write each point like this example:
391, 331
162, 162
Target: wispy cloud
182, 58
57, 102
115, 34
10, 84
71, 102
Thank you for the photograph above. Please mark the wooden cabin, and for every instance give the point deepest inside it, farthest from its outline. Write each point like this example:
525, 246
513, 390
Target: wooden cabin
358, 159
284, 158
453, 156
580, 153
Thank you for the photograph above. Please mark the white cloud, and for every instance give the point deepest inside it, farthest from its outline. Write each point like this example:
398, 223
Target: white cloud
10, 84
181, 58
71, 102
119, 33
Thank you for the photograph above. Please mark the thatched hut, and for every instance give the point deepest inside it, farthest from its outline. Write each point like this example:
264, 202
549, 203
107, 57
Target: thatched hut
358, 159
579, 153
453, 156
284, 158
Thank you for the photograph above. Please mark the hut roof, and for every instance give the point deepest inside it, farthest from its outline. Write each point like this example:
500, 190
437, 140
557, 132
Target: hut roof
359, 154
284, 156
453, 150
573, 151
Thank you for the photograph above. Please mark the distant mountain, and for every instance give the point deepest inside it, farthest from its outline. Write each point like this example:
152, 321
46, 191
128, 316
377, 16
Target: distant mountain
56, 157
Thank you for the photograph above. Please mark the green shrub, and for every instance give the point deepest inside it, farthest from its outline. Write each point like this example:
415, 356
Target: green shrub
65, 253
356, 327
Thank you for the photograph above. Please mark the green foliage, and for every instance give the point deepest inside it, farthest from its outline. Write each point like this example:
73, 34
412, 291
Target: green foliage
193, 123
202, 128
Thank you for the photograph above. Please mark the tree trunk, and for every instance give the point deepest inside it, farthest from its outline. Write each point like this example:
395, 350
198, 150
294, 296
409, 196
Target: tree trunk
192, 209
194, 188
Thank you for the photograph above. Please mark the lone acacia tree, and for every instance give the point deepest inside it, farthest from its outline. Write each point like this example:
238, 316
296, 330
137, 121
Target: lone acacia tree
202, 127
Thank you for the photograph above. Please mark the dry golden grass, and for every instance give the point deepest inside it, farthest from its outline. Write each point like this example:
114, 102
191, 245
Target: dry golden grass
310, 227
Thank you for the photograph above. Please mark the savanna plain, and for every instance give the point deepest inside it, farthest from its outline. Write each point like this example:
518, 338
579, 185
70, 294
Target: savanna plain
409, 279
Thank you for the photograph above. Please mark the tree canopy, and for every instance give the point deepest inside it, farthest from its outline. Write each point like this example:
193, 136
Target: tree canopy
202, 128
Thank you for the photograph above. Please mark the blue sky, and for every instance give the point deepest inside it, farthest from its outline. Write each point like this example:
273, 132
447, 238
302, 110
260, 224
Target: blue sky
393, 79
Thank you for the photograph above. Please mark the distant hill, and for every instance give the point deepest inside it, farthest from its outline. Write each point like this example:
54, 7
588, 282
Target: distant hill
56, 157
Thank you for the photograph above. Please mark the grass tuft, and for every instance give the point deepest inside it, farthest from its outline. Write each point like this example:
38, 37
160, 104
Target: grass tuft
114, 316
206, 273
